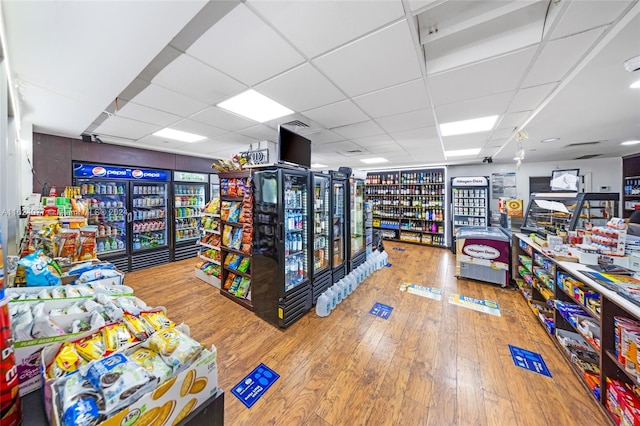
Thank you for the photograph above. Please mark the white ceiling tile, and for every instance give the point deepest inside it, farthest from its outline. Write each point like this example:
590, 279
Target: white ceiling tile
336, 147
417, 137
336, 115
394, 100
166, 100
373, 141
198, 128
486, 78
501, 134
382, 59
195, 79
243, 46
337, 21
475, 140
151, 142
583, 15
125, 128
359, 130
235, 139
301, 89
528, 99
419, 4
148, 115
512, 120
207, 147
260, 132
218, 117
323, 136
474, 108
392, 147
559, 56
407, 121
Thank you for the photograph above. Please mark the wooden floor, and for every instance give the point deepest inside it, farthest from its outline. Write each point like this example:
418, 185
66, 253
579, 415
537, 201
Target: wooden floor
430, 363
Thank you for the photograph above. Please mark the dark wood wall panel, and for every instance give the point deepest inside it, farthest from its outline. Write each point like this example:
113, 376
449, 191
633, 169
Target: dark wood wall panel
51, 161
53, 155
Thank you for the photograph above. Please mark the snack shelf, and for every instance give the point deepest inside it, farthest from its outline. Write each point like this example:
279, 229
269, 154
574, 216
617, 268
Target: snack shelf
595, 348
234, 251
236, 272
240, 300
590, 311
200, 243
208, 259
211, 214
621, 367
210, 231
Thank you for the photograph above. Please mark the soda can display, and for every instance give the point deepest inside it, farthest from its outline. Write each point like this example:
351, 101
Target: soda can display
10, 412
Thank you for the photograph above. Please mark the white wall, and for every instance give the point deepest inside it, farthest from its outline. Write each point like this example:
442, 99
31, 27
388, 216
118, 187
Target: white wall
605, 172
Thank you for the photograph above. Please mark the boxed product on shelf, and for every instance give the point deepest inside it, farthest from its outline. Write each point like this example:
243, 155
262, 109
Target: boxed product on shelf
525, 260
622, 403
162, 379
627, 335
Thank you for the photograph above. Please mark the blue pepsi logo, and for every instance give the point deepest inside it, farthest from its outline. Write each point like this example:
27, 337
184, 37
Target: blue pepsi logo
137, 174
99, 171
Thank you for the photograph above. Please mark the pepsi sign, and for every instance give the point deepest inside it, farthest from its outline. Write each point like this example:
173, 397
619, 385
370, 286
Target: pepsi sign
111, 172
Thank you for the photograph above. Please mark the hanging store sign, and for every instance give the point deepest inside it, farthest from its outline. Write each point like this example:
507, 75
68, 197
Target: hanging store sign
92, 171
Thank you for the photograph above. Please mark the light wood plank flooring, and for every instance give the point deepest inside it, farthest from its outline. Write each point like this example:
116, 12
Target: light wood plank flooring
430, 363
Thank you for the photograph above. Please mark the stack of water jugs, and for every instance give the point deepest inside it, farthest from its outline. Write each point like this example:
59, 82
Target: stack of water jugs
340, 290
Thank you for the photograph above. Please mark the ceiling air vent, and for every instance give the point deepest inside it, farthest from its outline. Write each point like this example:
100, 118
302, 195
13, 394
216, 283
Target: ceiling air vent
573, 145
295, 123
352, 152
586, 157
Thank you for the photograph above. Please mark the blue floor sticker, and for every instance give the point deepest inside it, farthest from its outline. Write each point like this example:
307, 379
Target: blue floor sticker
252, 387
398, 248
529, 360
388, 265
380, 310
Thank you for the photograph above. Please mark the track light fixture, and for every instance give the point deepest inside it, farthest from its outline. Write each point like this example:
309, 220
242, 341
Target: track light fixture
488, 160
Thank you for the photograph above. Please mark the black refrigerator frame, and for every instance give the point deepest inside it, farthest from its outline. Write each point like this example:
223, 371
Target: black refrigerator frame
269, 298
469, 183
339, 271
186, 249
357, 259
323, 278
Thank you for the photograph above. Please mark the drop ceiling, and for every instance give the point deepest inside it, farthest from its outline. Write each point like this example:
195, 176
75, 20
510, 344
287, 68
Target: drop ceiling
368, 78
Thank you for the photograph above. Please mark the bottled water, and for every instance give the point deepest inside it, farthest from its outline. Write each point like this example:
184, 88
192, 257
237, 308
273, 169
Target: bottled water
323, 305
333, 297
342, 285
336, 289
349, 284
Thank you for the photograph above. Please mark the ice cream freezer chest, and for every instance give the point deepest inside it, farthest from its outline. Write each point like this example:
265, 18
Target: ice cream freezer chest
482, 253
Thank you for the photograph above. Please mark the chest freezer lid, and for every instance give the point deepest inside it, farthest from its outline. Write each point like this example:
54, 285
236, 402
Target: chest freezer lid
489, 233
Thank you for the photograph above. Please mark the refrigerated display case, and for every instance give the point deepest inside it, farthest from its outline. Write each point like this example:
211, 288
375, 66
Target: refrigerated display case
338, 225
356, 251
321, 229
281, 265
469, 203
190, 194
130, 205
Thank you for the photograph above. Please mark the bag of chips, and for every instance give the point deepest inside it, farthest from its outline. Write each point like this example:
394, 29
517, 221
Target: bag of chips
87, 249
66, 361
227, 235
66, 244
244, 264
116, 336
91, 347
176, 349
157, 320
153, 363
137, 326
41, 270
81, 403
243, 288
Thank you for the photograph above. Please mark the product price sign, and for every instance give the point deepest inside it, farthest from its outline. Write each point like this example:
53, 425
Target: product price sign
487, 306
254, 385
529, 360
381, 310
418, 290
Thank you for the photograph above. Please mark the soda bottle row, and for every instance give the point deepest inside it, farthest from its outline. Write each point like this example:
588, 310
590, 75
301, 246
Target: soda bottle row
109, 244
421, 178
107, 215
188, 211
101, 188
106, 230
426, 214
150, 240
293, 242
148, 225
189, 189
186, 234
295, 219
420, 202
293, 198
149, 189
148, 202
148, 214
187, 223
386, 212
427, 189
423, 226
294, 270
382, 179
193, 201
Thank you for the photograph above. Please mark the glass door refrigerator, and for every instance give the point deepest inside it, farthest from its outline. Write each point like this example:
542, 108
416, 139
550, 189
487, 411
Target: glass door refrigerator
129, 207
338, 225
321, 276
356, 252
281, 265
190, 194
469, 203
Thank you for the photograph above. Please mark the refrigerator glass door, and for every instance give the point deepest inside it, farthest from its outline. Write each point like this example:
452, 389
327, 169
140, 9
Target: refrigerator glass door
320, 223
296, 249
149, 210
357, 216
338, 193
107, 209
188, 203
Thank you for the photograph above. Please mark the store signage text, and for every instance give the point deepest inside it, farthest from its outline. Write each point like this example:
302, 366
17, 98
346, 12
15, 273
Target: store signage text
471, 181
483, 252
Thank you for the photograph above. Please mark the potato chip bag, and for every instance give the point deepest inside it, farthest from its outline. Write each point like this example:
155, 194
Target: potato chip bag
157, 320
116, 336
66, 361
176, 349
153, 363
91, 347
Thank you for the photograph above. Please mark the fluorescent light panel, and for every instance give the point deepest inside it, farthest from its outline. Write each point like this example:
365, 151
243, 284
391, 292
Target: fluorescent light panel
464, 127
462, 152
318, 166
550, 140
178, 135
635, 85
630, 143
374, 160
255, 106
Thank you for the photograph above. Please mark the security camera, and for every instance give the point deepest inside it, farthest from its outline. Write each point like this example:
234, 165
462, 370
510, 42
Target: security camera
86, 138
97, 139
487, 160
632, 64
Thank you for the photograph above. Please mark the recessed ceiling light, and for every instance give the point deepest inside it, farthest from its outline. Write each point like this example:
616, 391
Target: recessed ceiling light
318, 166
178, 135
630, 143
550, 140
635, 85
462, 152
464, 127
255, 106
374, 160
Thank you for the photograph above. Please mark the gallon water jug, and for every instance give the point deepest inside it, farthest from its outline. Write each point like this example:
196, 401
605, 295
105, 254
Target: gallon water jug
349, 282
385, 258
333, 297
338, 291
323, 305
344, 288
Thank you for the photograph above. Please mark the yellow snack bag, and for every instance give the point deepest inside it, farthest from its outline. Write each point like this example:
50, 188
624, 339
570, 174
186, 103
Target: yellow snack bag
157, 320
91, 347
116, 336
66, 361
175, 348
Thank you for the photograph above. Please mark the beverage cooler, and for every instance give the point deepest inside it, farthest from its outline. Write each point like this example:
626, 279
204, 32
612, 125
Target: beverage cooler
469, 203
321, 229
129, 207
281, 265
339, 182
356, 252
190, 194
